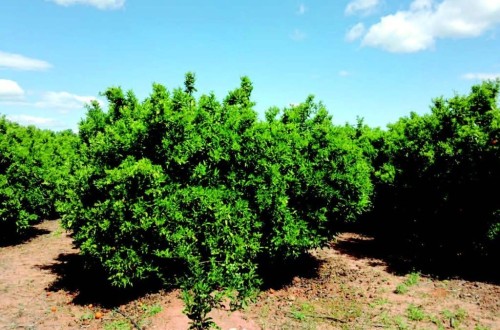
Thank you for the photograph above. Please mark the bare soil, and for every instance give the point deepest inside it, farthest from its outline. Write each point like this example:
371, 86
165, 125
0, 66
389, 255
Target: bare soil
44, 285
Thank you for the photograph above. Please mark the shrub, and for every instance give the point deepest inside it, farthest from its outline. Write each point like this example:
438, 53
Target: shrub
445, 167
33, 169
201, 192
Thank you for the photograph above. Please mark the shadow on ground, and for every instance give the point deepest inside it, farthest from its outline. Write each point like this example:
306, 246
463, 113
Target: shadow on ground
90, 285
279, 274
402, 258
25, 237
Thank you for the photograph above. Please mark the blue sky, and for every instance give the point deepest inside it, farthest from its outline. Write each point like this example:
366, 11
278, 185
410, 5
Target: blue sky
376, 59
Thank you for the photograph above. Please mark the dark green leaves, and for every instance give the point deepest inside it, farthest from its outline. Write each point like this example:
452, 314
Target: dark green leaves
439, 173
200, 192
34, 171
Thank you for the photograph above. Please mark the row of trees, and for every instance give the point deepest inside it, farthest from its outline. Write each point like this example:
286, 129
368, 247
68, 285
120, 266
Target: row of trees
444, 168
34, 167
201, 193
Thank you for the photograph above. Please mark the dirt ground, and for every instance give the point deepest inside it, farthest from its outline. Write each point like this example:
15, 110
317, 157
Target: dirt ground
44, 286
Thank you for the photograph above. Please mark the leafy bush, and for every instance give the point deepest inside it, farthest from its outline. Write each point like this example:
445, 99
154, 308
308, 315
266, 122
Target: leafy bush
440, 197
34, 165
201, 192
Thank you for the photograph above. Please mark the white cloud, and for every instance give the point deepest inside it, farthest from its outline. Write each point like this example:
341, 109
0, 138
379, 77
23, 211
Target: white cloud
100, 4
10, 90
361, 6
41, 122
63, 101
20, 62
30, 120
400, 33
302, 9
344, 73
355, 32
418, 28
481, 76
298, 35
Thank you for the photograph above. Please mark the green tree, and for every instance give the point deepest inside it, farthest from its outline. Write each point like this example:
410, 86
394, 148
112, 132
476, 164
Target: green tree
34, 167
445, 167
200, 192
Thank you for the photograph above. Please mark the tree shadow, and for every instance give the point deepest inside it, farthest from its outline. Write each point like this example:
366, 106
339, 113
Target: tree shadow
401, 257
278, 274
90, 285
28, 235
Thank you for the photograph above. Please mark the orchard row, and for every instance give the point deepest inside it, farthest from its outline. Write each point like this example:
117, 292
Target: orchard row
201, 193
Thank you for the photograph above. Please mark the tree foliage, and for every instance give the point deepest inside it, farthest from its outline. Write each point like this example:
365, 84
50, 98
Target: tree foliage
34, 167
201, 193
203, 186
441, 174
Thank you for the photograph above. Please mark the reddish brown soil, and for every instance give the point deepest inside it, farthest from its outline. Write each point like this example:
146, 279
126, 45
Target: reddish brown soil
43, 286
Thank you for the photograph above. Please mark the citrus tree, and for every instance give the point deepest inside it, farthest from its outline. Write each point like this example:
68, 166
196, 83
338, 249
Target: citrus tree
34, 167
444, 173
200, 192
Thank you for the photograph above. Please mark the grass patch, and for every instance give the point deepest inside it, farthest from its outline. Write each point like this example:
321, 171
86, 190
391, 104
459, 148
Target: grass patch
118, 325
400, 323
58, 232
434, 319
385, 319
411, 279
415, 313
401, 289
379, 302
454, 318
88, 315
481, 327
299, 315
151, 310
303, 311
